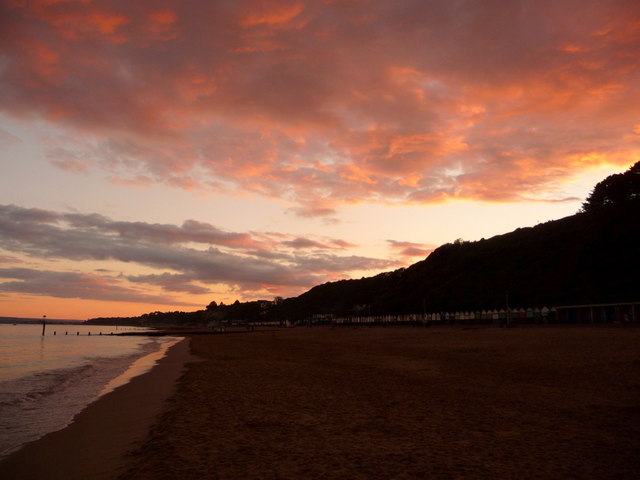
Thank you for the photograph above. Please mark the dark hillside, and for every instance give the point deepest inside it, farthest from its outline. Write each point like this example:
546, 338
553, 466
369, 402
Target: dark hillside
590, 257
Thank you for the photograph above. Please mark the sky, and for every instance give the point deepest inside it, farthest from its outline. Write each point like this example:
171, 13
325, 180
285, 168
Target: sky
159, 155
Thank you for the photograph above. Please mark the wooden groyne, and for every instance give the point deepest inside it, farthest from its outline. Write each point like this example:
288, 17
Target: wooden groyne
186, 331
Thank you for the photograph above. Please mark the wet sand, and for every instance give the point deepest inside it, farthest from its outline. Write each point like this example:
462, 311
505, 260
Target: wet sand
338, 403
96, 444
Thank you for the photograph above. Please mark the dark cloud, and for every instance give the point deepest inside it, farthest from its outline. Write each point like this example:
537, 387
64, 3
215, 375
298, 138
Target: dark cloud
82, 237
189, 231
76, 285
334, 264
171, 283
300, 242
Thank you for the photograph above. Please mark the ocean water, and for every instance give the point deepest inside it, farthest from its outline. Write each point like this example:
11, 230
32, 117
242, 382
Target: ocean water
46, 381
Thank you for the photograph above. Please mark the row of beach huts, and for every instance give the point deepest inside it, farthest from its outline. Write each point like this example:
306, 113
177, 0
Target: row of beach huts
609, 313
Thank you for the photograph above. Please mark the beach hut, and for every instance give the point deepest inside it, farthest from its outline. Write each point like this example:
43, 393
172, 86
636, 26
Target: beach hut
623, 313
545, 313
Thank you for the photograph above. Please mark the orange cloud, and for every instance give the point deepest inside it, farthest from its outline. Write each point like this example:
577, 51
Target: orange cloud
163, 17
161, 23
325, 103
270, 13
45, 61
82, 22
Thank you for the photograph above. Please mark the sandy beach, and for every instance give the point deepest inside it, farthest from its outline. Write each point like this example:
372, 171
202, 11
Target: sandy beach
403, 403
553, 402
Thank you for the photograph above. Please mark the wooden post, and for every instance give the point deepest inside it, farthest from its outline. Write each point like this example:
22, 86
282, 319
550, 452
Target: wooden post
44, 323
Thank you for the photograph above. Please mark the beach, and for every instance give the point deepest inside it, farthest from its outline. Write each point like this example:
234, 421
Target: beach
362, 403
95, 444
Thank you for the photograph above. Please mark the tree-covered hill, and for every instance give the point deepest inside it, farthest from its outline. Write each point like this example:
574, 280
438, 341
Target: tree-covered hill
590, 257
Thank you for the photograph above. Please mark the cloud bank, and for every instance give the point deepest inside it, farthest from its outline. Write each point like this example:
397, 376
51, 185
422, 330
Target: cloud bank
193, 258
326, 103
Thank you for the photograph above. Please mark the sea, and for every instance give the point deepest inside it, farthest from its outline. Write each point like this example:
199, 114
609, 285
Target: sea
46, 380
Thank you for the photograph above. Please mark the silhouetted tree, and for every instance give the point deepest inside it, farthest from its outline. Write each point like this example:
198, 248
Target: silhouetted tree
616, 188
212, 306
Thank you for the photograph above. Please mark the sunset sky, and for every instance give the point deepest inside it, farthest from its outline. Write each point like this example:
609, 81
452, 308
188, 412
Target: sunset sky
158, 155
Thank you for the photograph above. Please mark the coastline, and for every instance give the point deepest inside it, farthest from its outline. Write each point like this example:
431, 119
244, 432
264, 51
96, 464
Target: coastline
96, 443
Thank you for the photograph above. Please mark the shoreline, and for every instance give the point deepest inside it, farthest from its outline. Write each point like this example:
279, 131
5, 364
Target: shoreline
95, 445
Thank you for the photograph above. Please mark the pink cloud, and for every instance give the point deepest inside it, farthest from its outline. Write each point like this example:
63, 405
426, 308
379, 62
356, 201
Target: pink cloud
410, 250
328, 103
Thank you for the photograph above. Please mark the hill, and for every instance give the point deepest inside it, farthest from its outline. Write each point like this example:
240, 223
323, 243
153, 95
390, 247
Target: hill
590, 257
